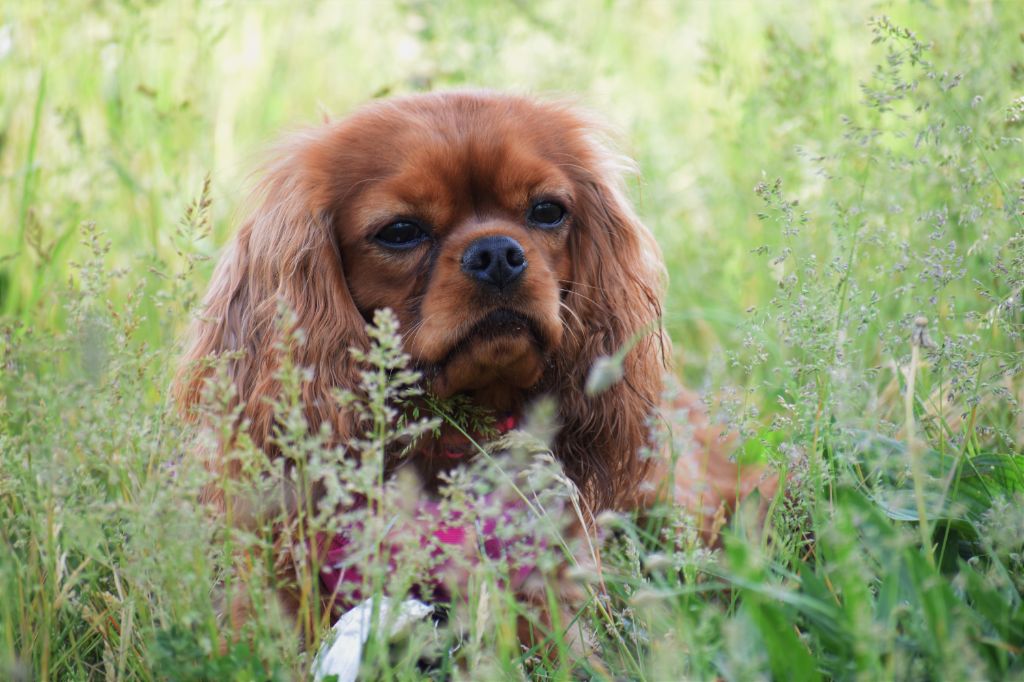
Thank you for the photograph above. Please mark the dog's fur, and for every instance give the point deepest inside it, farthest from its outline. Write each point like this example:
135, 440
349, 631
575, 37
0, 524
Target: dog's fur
461, 166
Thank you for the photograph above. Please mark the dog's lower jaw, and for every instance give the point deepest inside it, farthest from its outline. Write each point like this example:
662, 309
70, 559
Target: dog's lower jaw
495, 372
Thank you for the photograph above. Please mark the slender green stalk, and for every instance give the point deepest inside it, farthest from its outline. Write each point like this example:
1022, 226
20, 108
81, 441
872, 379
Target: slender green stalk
914, 445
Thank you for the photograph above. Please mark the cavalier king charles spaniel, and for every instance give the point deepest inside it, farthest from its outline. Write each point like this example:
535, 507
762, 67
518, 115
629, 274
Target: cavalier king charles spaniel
497, 230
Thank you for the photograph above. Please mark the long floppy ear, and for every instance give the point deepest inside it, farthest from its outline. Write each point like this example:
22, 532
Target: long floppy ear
615, 295
285, 252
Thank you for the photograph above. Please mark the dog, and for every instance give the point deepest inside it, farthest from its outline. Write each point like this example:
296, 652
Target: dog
497, 229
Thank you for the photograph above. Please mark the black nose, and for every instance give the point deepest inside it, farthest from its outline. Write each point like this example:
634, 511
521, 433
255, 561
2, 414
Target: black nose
494, 261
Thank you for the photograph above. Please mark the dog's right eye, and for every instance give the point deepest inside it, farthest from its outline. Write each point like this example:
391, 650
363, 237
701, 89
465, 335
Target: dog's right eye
402, 234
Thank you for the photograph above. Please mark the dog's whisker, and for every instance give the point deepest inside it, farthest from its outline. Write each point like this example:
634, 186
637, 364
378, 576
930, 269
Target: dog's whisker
581, 284
575, 316
576, 293
414, 331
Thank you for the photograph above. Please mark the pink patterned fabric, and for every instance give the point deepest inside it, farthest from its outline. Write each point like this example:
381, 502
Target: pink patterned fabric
442, 533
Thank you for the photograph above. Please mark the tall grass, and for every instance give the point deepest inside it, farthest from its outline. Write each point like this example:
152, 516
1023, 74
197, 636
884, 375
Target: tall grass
840, 199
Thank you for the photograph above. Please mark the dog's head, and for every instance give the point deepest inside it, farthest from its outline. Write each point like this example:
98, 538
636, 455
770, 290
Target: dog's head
494, 227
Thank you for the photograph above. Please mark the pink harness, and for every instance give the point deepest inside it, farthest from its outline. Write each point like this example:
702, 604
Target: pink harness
440, 533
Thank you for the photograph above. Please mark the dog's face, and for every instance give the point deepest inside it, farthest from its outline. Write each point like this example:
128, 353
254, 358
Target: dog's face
494, 226
459, 220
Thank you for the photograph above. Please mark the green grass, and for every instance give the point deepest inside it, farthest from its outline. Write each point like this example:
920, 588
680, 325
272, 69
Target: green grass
818, 177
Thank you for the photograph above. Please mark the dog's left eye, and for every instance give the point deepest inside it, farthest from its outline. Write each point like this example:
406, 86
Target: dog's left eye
402, 234
546, 214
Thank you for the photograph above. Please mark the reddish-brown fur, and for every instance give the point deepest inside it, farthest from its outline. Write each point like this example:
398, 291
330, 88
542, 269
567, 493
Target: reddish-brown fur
468, 165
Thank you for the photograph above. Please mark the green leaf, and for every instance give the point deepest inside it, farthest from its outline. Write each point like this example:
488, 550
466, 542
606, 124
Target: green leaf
788, 656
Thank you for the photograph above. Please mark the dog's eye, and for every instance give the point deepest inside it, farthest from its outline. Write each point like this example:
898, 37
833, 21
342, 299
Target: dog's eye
402, 234
546, 214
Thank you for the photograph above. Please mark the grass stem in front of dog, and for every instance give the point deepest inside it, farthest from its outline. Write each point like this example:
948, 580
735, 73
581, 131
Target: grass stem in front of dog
914, 446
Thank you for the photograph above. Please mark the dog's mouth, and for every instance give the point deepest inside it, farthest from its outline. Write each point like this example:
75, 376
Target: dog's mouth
501, 322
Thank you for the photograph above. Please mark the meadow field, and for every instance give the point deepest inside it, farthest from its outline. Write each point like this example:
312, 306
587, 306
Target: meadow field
838, 190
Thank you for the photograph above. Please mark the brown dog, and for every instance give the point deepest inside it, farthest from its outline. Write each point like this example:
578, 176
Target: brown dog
497, 230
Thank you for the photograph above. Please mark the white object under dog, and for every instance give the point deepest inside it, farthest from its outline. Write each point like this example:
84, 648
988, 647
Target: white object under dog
342, 653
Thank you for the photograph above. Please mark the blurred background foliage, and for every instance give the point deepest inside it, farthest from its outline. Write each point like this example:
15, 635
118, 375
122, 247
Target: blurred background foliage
114, 112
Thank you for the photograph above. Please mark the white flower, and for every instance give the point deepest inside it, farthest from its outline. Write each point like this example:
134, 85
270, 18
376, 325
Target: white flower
604, 373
